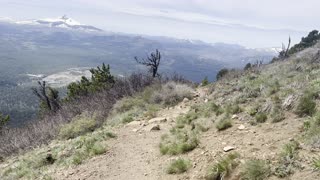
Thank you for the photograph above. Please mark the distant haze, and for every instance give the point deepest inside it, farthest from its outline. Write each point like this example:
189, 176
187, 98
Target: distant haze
251, 23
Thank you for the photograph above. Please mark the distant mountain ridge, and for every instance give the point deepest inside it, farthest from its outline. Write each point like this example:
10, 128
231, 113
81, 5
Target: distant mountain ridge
61, 22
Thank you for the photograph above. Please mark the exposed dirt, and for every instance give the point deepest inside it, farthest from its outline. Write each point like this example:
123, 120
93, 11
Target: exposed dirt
135, 155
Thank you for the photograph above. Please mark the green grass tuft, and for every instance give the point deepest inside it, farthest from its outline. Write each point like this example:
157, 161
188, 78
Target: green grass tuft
223, 168
256, 170
261, 117
224, 124
80, 125
178, 166
178, 142
306, 105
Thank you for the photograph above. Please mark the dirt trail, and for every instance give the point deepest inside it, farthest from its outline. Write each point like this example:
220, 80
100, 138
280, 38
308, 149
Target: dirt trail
134, 154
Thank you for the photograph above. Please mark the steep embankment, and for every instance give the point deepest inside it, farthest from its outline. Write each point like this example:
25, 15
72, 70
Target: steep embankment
257, 124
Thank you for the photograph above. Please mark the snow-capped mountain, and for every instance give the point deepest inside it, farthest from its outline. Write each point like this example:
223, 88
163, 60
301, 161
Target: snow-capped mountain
61, 22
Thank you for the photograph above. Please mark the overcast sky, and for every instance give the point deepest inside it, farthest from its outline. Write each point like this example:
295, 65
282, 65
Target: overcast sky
252, 23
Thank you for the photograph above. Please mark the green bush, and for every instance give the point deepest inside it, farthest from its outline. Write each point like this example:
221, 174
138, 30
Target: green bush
316, 164
205, 81
306, 105
256, 170
127, 118
223, 168
171, 94
288, 160
186, 119
277, 114
224, 124
233, 109
208, 109
253, 111
178, 142
101, 79
178, 166
312, 128
79, 125
128, 104
261, 117
3, 120
222, 73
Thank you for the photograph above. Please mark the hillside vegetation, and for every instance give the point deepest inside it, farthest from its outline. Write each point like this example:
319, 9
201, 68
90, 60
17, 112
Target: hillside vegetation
254, 124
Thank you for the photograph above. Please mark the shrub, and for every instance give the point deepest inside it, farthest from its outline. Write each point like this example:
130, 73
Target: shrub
101, 79
224, 124
277, 114
36, 133
223, 168
313, 131
306, 42
316, 164
3, 120
274, 88
248, 66
186, 119
80, 125
128, 104
208, 109
35, 164
205, 81
178, 166
255, 170
171, 94
253, 111
178, 142
288, 160
127, 119
222, 73
261, 117
306, 105
233, 109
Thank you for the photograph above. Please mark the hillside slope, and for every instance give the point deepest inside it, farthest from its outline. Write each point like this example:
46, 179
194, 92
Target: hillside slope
261, 123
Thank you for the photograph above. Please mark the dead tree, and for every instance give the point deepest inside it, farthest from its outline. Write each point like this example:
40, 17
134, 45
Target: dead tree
284, 53
49, 97
152, 62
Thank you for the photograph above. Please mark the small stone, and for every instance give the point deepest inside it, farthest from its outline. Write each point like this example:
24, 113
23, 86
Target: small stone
206, 100
145, 174
228, 148
224, 143
134, 123
134, 130
235, 117
186, 100
155, 128
158, 120
241, 127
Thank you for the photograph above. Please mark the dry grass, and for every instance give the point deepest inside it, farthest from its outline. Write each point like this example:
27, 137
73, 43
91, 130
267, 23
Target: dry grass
35, 164
178, 166
223, 168
256, 170
178, 142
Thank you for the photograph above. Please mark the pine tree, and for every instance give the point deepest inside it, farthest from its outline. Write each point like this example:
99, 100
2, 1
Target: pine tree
101, 79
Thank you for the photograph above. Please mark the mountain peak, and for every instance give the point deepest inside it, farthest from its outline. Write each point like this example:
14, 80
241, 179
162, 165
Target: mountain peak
60, 22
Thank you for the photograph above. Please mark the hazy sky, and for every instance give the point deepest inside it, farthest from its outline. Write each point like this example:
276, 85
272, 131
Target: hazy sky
253, 23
